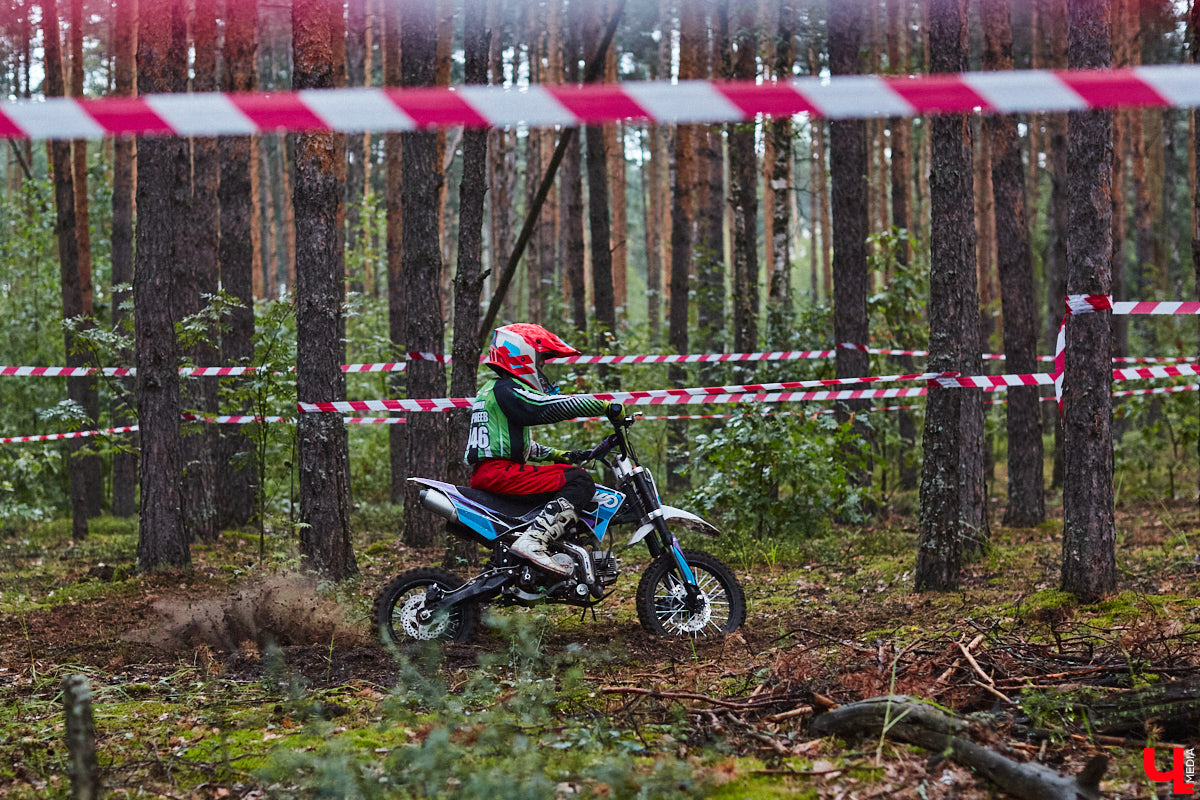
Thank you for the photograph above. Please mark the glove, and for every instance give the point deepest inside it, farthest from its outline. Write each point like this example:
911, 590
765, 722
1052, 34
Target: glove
615, 412
577, 456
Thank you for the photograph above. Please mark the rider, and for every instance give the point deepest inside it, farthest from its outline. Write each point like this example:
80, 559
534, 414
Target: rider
506, 460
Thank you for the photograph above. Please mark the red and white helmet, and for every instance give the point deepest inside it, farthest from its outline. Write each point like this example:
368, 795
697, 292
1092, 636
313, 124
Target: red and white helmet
515, 350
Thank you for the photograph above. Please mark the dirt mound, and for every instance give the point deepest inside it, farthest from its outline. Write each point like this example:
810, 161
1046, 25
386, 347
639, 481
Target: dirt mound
283, 609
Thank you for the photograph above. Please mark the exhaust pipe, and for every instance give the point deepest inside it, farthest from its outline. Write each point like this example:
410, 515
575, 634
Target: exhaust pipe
439, 504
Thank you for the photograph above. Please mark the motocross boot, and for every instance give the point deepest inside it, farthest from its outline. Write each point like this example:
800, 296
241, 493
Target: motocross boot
534, 541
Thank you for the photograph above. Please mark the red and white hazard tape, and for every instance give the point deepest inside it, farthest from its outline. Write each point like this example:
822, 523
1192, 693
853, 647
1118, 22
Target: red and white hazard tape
369, 109
49, 437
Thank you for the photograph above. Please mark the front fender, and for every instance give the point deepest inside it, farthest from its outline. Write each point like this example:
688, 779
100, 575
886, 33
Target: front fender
677, 515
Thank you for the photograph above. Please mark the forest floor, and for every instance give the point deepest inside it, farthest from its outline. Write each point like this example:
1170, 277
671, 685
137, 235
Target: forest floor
243, 679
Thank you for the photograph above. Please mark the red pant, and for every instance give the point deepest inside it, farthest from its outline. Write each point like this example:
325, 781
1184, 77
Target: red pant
508, 477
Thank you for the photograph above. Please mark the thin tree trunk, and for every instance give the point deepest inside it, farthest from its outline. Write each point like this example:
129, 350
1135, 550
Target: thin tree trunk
468, 279
651, 170
779, 302
710, 228
848, 170
1026, 502
1089, 536
68, 258
358, 145
124, 470
90, 465
572, 187
204, 231
1194, 171
422, 268
393, 142
743, 194
947, 490
603, 298
269, 237
325, 543
822, 222
614, 150
163, 197
238, 255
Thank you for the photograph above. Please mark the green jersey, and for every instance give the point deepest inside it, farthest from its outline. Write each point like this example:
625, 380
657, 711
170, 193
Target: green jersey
505, 409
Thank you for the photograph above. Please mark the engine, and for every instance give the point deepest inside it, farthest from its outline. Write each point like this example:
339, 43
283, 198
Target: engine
606, 565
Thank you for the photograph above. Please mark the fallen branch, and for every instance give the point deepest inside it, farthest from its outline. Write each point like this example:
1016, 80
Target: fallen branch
716, 701
924, 725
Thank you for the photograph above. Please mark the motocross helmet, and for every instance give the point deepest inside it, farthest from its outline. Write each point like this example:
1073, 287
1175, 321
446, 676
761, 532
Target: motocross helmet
519, 350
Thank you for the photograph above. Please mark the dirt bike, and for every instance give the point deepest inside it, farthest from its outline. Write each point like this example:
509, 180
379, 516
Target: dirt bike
681, 592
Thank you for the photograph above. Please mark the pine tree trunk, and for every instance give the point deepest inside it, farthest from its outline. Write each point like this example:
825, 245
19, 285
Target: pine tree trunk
325, 543
710, 227
743, 192
163, 197
68, 258
393, 142
269, 236
124, 469
468, 279
572, 188
237, 256
603, 298
89, 464
358, 145
422, 269
947, 488
204, 232
848, 171
1194, 158
651, 169
614, 151
1089, 537
1026, 502
779, 297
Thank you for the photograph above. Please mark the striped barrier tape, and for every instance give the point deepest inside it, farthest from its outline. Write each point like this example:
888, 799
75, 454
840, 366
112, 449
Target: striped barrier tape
353, 110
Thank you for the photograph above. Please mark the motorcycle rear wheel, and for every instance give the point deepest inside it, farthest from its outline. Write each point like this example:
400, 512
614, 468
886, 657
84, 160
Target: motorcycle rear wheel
396, 606
661, 595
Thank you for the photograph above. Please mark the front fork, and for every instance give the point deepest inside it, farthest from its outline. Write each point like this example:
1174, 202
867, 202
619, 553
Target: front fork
665, 540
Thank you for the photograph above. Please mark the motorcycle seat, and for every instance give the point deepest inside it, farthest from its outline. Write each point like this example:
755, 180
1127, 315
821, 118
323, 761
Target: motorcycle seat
513, 507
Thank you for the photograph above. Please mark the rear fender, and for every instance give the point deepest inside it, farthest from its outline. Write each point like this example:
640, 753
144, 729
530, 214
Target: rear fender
678, 516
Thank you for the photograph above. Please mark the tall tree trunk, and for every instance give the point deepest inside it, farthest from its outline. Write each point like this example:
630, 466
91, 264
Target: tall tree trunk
821, 223
359, 144
325, 543
1194, 172
743, 194
468, 279
947, 479
779, 315
848, 171
236, 255
614, 151
572, 187
1123, 37
603, 299
1052, 22
393, 142
204, 230
68, 259
651, 170
534, 267
163, 199
89, 464
269, 237
549, 233
1089, 536
1026, 502
710, 227
124, 469
422, 268
691, 43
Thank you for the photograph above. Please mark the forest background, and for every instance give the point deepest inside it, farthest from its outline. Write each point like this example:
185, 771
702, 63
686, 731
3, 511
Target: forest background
778, 234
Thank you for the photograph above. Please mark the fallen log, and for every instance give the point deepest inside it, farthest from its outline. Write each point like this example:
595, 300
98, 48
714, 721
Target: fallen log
1173, 707
908, 720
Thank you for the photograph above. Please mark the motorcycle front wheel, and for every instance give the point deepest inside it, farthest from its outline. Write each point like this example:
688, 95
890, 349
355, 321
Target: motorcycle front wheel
398, 606
662, 597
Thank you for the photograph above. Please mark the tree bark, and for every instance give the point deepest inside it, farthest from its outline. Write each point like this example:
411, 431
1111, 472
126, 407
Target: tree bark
1026, 501
393, 143
947, 488
1089, 536
325, 543
204, 222
358, 145
572, 188
422, 268
163, 199
779, 295
89, 464
68, 259
848, 172
468, 279
81, 738
124, 469
743, 174
710, 225
603, 298
239, 243
1194, 33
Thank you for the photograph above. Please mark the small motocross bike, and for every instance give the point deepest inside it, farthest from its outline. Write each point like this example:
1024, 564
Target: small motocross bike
681, 593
